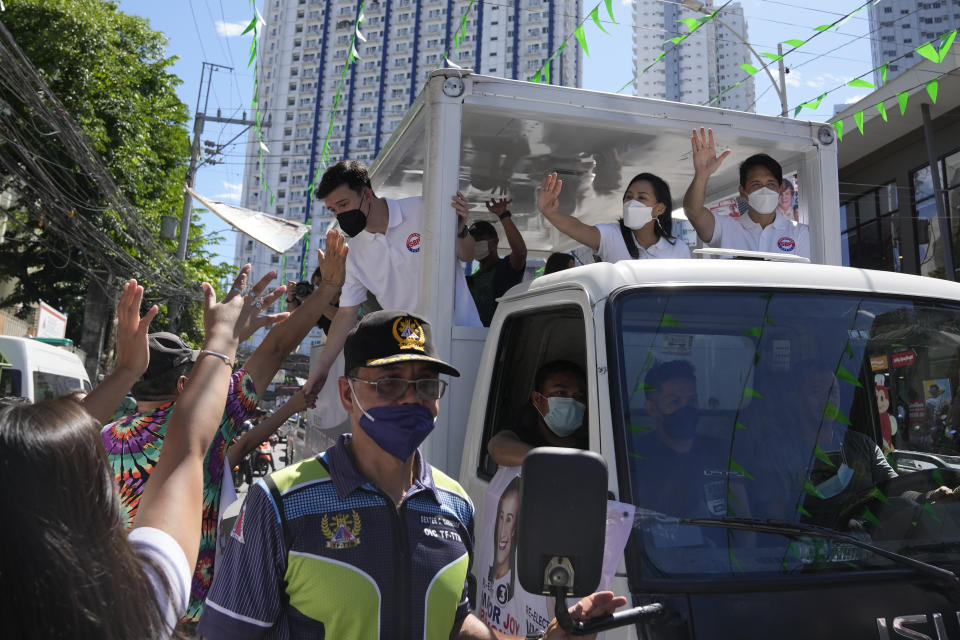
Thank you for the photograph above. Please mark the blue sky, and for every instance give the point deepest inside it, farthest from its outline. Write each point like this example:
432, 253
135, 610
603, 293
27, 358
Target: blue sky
209, 30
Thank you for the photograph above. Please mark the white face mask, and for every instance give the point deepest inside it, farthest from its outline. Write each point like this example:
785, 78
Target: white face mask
481, 249
763, 200
636, 214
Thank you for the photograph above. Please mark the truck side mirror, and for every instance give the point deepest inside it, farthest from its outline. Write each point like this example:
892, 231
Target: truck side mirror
562, 521
561, 532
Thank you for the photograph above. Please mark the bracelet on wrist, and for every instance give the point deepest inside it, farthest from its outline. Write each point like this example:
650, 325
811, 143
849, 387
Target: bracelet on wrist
215, 354
506, 214
463, 232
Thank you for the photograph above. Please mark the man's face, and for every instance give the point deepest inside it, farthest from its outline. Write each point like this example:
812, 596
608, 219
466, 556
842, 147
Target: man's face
674, 394
369, 397
506, 526
759, 177
343, 198
562, 384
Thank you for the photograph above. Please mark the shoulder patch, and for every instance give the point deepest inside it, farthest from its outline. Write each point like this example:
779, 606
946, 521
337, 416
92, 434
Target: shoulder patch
446, 483
301, 473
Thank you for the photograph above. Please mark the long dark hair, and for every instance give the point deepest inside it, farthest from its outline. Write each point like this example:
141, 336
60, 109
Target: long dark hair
65, 560
512, 486
664, 226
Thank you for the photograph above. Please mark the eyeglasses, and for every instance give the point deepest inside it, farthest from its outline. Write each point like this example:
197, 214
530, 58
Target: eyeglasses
390, 389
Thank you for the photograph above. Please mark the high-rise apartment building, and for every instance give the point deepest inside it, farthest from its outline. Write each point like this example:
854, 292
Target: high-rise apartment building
700, 67
897, 27
303, 51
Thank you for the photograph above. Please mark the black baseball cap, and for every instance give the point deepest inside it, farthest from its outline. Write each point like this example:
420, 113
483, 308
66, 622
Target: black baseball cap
168, 355
391, 336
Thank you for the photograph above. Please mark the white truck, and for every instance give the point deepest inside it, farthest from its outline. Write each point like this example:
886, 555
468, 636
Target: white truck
785, 520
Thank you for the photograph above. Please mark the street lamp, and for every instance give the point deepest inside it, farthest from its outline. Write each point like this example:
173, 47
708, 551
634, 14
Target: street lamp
700, 7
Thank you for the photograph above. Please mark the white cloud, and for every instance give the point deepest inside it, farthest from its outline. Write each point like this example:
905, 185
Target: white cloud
855, 99
230, 29
232, 191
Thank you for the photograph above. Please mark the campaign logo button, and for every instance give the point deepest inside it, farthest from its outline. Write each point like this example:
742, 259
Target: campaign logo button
786, 243
413, 243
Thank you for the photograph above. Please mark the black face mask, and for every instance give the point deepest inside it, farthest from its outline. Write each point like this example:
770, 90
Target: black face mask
682, 423
353, 221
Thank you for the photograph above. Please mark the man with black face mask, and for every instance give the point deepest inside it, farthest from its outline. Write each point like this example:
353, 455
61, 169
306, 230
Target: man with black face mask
366, 539
686, 478
385, 255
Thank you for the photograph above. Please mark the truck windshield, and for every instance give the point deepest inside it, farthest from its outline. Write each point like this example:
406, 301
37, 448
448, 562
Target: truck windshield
839, 411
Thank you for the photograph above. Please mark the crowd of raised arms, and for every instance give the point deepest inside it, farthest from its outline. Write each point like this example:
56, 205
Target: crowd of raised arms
116, 531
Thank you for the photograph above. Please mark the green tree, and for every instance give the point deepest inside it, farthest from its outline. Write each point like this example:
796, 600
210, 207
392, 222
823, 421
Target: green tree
110, 73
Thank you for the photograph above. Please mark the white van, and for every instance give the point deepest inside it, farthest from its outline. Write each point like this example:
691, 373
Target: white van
36, 371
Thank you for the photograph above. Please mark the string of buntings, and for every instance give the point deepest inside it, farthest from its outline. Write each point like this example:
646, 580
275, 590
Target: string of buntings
932, 53
255, 103
458, 37
794, 44
543, 73
692, 25
351, 58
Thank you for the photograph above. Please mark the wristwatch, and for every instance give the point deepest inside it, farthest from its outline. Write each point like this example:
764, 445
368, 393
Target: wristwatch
463, 232
506, 214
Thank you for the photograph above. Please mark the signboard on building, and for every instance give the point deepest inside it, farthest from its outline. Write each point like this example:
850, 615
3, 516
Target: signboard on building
879, 363
50, 322
903, 358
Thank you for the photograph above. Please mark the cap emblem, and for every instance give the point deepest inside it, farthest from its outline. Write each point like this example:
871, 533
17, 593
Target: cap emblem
408, 333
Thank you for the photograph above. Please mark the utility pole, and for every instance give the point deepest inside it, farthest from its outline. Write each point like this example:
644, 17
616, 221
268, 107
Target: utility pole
199, 120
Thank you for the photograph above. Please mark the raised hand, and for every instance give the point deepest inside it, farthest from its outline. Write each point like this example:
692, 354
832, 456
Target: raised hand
238, 316
462, 207
133, 349
498, 207
548, 198
333, 261
705, 159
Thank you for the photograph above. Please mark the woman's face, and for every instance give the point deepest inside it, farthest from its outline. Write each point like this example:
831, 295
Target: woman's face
506, 527
641, 191
786, 195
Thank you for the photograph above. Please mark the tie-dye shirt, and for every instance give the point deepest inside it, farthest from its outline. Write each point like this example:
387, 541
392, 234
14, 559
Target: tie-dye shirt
133, 447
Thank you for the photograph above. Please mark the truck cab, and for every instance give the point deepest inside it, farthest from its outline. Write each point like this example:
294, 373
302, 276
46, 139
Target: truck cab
812, 495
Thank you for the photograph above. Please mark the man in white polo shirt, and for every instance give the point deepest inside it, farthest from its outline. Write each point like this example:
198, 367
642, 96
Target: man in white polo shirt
384, 257
762, 229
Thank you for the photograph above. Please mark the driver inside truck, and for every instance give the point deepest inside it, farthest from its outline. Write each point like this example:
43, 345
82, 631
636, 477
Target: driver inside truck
847, 465
555, 416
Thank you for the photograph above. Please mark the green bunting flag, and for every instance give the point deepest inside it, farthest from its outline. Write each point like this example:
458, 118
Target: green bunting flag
883, 71
581, 38
883, 111
902, 101
838, 126
794, 43
692, 23
932, 88
858, 118
749, 68
609, 4
595, 14
933, 54
860, 83
773, 56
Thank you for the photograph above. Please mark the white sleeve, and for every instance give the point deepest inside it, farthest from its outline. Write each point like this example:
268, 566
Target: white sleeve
803, 241
166, 555
353, 292
717, 230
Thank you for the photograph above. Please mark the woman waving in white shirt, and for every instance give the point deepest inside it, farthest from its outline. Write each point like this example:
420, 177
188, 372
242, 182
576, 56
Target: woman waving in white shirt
644, 231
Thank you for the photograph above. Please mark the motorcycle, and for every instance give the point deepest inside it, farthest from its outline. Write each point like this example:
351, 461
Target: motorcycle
263, 459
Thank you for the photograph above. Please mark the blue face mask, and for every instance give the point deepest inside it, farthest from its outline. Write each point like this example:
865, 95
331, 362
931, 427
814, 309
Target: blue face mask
397, 429
565, 415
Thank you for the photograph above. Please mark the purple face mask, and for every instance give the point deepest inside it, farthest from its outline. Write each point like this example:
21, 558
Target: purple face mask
397, 429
